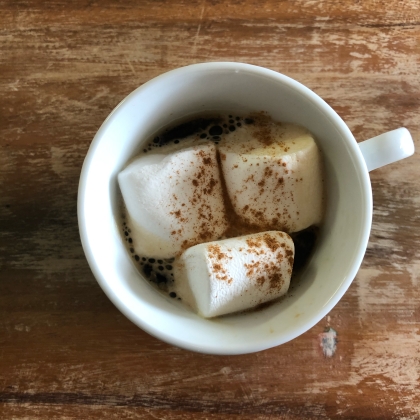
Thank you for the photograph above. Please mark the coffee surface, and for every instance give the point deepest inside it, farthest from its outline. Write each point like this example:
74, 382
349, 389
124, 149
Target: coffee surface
226, 132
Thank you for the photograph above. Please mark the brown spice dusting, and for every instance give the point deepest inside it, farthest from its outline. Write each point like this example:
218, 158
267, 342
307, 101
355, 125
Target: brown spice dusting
268, 172
271, 242
210, 186
217, 267
215, 252
276, 281
217, 258
258, 214
254, 242
261, 280
252, 267
187, 244
290, 256
205, 236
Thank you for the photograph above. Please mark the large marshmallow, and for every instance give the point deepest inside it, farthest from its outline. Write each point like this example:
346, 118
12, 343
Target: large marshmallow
235, 274
274, 176
173, 201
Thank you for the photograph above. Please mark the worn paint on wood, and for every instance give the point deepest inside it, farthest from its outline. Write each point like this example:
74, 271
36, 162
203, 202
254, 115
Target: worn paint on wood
65, 351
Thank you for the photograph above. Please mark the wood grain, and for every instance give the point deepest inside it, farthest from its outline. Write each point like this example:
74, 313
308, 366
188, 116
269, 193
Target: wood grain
65, 351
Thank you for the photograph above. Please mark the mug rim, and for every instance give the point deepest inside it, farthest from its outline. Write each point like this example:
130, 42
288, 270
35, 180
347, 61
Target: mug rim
237, 67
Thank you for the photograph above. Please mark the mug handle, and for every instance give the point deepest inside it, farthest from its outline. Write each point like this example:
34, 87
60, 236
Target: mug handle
387, 148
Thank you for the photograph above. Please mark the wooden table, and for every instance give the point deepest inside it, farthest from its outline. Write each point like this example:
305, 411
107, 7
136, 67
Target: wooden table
65, 351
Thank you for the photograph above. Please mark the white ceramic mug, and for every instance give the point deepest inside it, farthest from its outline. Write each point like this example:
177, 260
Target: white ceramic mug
242, 88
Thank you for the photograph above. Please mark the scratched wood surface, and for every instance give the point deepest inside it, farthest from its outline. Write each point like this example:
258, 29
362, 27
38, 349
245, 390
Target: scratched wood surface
65, 351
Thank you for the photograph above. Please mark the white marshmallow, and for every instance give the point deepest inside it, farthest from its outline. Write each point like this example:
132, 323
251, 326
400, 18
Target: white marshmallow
235, 274
273, 176
173, 201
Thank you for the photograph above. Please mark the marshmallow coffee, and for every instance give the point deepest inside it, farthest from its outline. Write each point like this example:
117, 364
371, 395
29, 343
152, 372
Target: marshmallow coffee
220, 183
231, 275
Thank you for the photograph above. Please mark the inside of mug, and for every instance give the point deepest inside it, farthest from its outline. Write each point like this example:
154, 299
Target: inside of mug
227, 87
